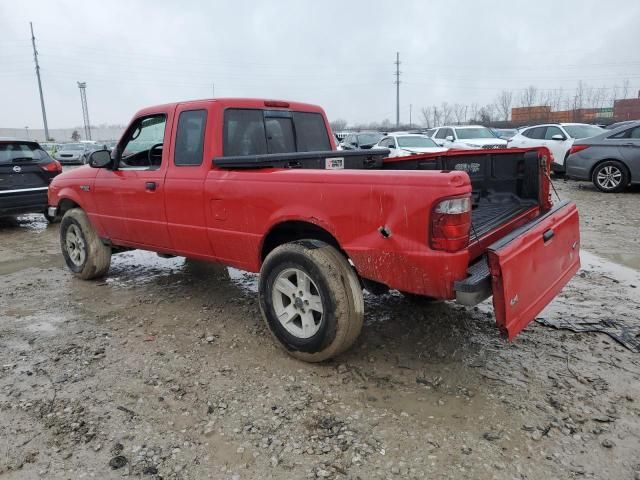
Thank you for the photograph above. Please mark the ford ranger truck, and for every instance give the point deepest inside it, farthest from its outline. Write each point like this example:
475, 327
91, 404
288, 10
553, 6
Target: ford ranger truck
259, 185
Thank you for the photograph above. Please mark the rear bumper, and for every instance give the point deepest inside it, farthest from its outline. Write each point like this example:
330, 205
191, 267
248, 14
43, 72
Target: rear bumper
477, 286
578, 170
28, 200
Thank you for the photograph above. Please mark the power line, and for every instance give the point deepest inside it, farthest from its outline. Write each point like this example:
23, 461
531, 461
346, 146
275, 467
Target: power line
35, 58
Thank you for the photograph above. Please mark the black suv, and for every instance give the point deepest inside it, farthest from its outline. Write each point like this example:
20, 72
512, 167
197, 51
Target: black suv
25, 173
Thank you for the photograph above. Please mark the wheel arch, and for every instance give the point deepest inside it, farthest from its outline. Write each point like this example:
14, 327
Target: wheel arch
292, 230
66, 204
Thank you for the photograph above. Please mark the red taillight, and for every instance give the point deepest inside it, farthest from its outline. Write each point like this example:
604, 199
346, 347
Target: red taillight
276, 103
450, 224
577, 148
53, 166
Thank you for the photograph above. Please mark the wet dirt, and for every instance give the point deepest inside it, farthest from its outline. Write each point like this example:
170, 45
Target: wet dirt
164, 369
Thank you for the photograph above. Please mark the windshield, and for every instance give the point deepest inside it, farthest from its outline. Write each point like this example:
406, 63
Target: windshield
475, 132
416, 141
14, 151
369, 138
71, 146
583, 131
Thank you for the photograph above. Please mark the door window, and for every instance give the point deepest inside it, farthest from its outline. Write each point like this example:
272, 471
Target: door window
536, 133
142, 147
441, 133
551, 131
190, 138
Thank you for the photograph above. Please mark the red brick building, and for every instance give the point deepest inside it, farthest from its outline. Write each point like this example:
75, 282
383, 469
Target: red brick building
628, 109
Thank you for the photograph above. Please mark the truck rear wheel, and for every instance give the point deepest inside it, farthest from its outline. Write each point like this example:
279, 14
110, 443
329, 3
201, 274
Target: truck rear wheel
85, 255
311, 299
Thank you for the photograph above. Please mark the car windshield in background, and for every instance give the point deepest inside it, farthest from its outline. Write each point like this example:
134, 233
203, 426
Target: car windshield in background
583, 131
415, 142
71, 146
467, 133
369, 138
21, 151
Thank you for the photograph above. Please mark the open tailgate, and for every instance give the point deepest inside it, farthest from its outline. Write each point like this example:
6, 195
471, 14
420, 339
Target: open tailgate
532, 264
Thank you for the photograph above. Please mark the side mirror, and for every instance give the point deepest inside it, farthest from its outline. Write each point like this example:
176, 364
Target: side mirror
354, 144
558, 137
391, 146
449, 138
100, 159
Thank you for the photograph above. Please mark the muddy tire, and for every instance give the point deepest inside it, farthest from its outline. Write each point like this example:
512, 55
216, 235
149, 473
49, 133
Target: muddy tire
311, 300
85, 255
610, 177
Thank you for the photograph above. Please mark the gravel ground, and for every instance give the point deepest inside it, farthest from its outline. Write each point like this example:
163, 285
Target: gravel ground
165, 370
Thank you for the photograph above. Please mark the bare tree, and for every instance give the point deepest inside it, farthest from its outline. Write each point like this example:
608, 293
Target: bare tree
529, 96
474, 111
460, 113
75, 136
426, 114
503, 103
338, 125
446, 112
625, 88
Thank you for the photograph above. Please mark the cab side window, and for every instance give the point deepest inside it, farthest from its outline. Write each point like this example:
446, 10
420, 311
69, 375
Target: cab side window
442, 133
190, 138
143, 144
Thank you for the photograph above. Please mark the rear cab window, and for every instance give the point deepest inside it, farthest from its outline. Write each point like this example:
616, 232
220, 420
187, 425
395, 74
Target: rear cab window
257, 132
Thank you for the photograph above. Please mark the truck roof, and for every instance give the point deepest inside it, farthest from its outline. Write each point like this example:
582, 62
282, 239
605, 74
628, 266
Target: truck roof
257, 103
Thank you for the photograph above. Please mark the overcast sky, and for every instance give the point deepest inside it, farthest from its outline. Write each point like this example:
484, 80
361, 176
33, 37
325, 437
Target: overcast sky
338, 54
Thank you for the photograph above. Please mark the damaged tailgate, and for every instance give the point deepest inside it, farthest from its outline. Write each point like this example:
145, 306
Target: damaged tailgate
532, 264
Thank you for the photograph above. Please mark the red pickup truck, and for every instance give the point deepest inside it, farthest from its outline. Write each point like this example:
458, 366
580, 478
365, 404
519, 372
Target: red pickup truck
259, 185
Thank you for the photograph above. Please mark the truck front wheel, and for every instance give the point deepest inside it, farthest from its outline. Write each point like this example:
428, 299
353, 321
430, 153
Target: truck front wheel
85, 255
311, 299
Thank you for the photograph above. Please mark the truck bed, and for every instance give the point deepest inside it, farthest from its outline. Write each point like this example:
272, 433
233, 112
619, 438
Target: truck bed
505, 183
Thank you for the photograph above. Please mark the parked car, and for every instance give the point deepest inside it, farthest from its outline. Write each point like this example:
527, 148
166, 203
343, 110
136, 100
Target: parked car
429, 132
319, 232
468, 136
401, 145
610, 160
25, 173
557, 137
70, 153
505, 133
362, 140
49, 147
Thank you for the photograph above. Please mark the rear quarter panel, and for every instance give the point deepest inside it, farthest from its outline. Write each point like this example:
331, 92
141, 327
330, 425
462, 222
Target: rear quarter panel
352, 205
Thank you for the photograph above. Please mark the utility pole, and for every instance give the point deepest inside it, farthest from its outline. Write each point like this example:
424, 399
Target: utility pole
397, 82
213, 90
85, 110
35, 58
410, 108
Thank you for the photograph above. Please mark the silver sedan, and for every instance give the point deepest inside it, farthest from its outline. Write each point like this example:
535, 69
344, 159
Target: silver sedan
610, 160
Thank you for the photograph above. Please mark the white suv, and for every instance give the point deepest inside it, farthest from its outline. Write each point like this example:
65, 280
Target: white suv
557, 137
467, 136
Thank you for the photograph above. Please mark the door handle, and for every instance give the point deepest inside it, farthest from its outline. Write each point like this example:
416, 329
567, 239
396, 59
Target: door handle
629, 144
548, 235
151, 186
